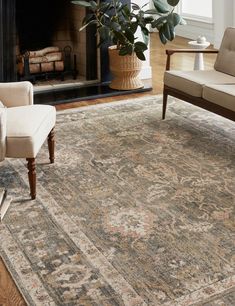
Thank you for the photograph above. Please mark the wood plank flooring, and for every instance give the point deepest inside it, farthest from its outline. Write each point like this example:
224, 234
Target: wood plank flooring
158, 63
9, 294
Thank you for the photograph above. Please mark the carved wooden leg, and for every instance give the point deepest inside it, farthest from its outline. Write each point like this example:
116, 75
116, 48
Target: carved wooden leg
51, 145
164, 104
32, 177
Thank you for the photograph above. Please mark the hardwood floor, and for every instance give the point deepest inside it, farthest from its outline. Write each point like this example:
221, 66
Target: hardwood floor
9, 295
158, 63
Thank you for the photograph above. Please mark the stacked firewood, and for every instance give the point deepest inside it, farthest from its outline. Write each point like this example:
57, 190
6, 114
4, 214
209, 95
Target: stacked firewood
45, 60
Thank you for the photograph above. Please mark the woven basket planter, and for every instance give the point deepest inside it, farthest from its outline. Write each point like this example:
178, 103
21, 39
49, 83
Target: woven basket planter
125, 70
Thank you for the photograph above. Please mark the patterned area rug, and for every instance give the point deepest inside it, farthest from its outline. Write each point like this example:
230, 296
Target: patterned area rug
135, 211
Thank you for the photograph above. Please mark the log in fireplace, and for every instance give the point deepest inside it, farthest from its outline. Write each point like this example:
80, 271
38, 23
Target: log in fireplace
50, 62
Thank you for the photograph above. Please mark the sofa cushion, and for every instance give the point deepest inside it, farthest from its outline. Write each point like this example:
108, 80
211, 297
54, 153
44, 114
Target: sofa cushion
27, 129
3, 123
191, 82
225, 61
223, 95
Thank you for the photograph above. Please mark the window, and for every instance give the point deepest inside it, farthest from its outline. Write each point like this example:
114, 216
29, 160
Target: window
199, 9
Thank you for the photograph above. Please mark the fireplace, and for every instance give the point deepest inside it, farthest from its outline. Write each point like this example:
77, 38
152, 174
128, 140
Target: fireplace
27, 25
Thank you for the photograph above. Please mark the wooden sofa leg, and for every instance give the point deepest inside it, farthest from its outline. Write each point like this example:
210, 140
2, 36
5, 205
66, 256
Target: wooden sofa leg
51, 145
165, 95
32, 177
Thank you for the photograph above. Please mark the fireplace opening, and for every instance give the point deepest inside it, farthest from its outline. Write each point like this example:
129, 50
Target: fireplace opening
53, 26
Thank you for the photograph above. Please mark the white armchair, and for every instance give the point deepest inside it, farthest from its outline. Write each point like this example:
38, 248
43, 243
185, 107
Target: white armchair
24, 127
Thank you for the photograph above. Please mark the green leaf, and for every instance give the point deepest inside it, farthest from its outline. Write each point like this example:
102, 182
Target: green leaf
139, 46
82, 3
144, 5
134, 26
173, 2
125, 10
161, 6
115, 26
176, 19
119, 37
87, 18
145, 30
151, 12
162, 37
128, 49
93, 5
158, 23
182, 21
148, 19
169, 31
104, 33
145, 35
88, 24
135, 6
140, 55
104, 6
123, 51
129, 35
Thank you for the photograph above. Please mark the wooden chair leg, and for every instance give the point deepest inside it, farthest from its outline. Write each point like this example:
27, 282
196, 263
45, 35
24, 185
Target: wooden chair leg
32, 176
51, 145
165, 95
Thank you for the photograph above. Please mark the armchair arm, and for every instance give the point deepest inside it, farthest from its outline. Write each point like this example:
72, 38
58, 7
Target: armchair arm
16, 93
169, 52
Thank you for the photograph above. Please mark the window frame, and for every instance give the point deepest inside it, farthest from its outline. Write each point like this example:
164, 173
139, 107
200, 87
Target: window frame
194, 17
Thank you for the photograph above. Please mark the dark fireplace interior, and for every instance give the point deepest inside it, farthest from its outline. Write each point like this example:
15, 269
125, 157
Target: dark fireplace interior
36, 22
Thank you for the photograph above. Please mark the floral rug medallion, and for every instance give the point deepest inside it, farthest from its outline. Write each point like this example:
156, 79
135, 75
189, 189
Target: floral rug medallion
135, 210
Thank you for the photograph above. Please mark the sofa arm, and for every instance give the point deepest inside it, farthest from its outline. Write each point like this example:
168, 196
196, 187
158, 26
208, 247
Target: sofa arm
170, 52
16, 93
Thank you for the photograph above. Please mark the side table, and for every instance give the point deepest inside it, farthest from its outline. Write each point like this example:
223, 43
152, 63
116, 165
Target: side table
198, 62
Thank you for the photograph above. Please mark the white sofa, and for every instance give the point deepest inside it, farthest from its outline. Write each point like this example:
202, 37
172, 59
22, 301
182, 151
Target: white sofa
213, 90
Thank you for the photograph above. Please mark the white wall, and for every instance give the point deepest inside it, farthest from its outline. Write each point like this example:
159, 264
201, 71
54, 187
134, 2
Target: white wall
223, 16
194, 28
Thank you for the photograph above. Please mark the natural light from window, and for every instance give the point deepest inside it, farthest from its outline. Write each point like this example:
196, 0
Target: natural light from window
197, 8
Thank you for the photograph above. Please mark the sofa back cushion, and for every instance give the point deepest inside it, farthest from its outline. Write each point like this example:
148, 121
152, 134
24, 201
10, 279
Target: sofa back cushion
225, 61
3, 124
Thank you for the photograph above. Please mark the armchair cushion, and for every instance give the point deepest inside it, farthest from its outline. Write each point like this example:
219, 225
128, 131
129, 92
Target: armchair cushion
191, 82
27, 129
16, 93
225, 59
223, 95
3, 119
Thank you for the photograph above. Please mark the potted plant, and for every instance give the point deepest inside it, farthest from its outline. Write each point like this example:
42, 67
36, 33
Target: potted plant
117, 24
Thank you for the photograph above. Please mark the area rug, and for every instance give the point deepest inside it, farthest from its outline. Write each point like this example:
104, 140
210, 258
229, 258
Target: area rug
135, 211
